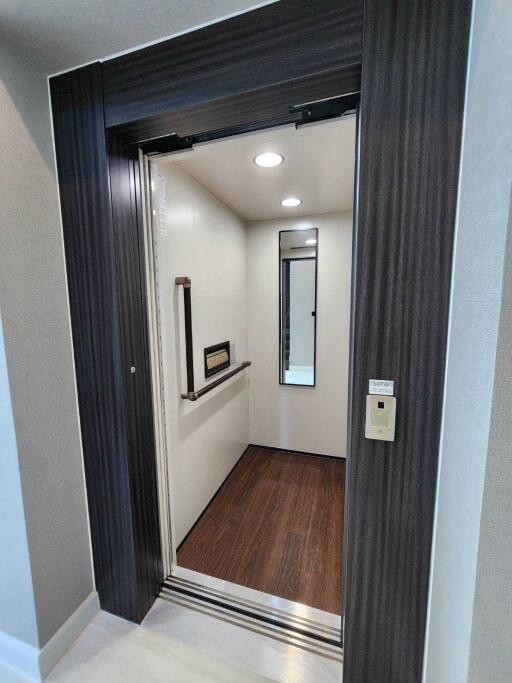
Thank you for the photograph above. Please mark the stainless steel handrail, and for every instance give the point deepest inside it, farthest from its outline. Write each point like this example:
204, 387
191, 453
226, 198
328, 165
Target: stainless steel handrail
191, 394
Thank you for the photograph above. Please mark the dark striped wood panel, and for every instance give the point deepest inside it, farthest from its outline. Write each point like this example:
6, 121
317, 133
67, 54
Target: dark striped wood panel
255, 65
89, 245
413, 80
414, 68
276, 46
129, 251
267, 107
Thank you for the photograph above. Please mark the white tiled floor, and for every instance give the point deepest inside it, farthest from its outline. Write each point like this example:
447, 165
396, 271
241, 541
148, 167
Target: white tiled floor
177, 644
114, 651
262, 654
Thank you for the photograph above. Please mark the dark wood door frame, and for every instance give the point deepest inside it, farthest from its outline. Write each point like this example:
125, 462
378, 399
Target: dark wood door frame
250, 70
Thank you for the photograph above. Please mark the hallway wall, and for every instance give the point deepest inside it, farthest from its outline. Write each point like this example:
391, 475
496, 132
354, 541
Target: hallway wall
44, 478
206, 241
468, 631
311, 419
17, 607
491, 632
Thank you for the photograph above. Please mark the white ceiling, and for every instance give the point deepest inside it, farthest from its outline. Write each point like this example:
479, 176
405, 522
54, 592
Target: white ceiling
60, 34
318, 168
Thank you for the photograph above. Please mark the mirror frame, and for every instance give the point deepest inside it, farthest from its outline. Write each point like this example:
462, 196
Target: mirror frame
280, 275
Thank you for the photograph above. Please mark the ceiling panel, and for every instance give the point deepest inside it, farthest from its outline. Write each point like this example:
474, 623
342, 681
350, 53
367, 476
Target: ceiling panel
318, 168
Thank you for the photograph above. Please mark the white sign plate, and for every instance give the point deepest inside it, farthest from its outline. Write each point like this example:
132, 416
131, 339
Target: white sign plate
382, 387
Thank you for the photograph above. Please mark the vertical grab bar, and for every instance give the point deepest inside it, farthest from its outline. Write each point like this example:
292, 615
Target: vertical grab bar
192, 394
186, 283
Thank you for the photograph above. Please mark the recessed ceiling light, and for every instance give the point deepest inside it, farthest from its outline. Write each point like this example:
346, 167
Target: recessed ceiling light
268, 159
311, 241
291, 201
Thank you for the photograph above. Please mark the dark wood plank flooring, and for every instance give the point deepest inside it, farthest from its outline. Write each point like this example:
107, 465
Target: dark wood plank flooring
275, 525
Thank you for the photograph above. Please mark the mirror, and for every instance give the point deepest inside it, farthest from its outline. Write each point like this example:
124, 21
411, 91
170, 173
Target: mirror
297, 301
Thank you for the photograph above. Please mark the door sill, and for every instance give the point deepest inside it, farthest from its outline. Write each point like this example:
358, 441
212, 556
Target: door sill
301, 624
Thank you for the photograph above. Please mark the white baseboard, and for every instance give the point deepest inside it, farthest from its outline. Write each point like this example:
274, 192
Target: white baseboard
27, 663
61, 641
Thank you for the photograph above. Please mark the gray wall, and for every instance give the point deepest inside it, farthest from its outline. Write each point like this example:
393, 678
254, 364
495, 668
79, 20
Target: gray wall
17, 608
33, 300
473, 425
491, 636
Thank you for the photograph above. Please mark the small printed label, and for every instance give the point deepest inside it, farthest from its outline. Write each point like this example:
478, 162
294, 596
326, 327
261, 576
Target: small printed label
162, 205
382, 387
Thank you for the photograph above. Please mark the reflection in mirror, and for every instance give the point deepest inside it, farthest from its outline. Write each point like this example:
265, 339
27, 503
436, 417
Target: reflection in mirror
297, 261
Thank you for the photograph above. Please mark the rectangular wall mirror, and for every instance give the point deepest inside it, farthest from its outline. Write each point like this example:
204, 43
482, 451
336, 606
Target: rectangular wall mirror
298, 251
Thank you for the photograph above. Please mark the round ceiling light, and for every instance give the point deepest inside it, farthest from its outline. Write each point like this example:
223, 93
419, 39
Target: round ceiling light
268, 159
291, 201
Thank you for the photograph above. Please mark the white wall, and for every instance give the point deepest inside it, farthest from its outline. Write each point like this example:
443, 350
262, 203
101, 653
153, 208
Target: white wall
311, 419
37, 335
207, 242
477, 298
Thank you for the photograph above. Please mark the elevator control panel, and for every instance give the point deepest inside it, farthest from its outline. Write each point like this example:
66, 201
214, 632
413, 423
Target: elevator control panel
380, 417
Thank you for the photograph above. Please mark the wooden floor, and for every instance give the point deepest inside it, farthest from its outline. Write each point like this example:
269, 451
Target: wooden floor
276, 525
